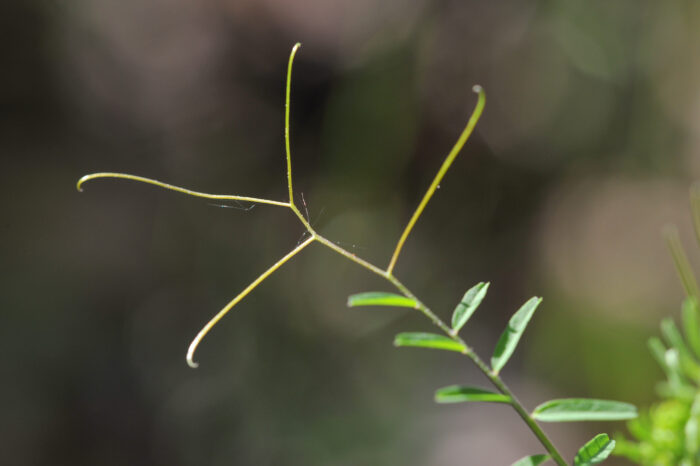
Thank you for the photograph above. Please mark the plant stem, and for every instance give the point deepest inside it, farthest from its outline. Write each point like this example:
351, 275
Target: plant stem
476, 114
189, 192
202, 333
493, 377
469, 352
286, 121
525, 416
386, 274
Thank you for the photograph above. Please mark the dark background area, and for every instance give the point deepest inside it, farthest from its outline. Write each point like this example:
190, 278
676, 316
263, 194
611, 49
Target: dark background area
587, 147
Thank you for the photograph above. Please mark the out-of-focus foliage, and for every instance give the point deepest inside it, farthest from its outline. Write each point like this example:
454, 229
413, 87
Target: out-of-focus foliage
668, 434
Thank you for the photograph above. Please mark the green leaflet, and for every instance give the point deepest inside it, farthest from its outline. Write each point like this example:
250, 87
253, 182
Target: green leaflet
533, 460
461, 393
379, 298
595, 450
428, 340
583, 409
471, 300
511, 335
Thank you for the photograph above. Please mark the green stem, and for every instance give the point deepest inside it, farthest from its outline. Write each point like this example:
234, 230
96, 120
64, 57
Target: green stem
469, 352
492, 376
525, 416
353, 257
476, 114
286, 121
189, 192
386, 274
202, 333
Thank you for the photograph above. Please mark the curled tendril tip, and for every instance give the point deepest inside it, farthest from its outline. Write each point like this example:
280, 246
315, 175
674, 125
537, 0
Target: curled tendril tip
79, 184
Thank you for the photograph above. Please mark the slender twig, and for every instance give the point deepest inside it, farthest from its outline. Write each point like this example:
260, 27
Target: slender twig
202, 333
440, 174
495, 379
286, 121
387, 273
171, 187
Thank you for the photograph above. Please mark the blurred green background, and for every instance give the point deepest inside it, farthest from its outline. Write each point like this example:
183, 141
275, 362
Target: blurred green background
586, 149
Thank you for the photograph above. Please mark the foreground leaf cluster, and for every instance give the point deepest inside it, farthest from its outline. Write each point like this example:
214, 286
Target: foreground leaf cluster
561, 410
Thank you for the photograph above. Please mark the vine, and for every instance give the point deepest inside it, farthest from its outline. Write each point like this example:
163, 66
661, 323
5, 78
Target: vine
573, 409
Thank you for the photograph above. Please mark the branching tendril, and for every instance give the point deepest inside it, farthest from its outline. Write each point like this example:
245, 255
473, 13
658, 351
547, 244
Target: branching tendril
313, 236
